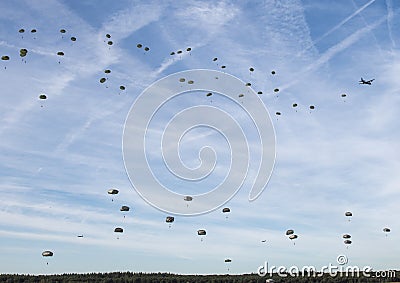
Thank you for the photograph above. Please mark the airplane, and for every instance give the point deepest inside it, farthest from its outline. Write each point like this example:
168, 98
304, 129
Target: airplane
364, 82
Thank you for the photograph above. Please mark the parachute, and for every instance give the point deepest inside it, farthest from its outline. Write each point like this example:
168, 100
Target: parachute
278, 113
386, 230
228, 260
312, 107
110, 42
33, 30
292, 237
103, 80
139, 45
107, 71
108, 35
146, 49
112, 191
118, 230
63, 31
23, 52
344, 95
5, 58
248, 84
42, 96
21, 30
241, 95
251, 69
276, 90
226, 209
187, 198
294, 105
273, 72
201, 232
346, 236
348, 214
47, 253
169, 219
289, 232
73, 38
215, 59
121, 87
172, 53
347, 242
188, 49
260, 92
124, 208
179, 52
60, 53
223, 67
182, 80
190, 82
209, 94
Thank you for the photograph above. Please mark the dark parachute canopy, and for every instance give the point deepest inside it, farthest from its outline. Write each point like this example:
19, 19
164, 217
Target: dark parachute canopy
60, 53
201, 232
260, 92
172, 53
107, 71
112, 191
292, 237
103, 80
386, 230
276, 90
348, 214
63, 31
344, 95
139, 45
23, 52
182, 80
248, 84
223, 67
42, 96
289, 232
294, 105
146, 49
251, 69
169, 219
108, 35
278, 113
273, 72
73, 38
190, 82
21, 30
346, 236
347, 242
124, 208
215, 59
121, 87
187, 198
226, 209
209, 94
118, 230
110, 42
47, 253
5, 58
33, 30
312, 107
228, 260
241, 95
179, 52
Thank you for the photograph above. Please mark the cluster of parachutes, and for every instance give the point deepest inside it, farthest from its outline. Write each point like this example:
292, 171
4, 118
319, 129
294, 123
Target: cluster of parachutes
124, 208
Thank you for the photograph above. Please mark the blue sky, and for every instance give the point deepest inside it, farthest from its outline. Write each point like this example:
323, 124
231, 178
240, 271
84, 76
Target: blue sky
60, 156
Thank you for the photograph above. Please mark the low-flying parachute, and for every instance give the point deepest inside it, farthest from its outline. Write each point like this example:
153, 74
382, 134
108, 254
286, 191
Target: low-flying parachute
182, 80
73, 38
169, 220
63, 31
278, 113
187, 198
226, 210
107, 71
294, 105
386, 230
248, 84
263, 241
312, 107
201, 233
108, 35
21, 30
118, 230
33, 30
80, 236
223, 67
347, 242
273, 72
103, 80
348, 214
172, 53
112, 192
60, 53
346, 236
146, 49
190, 82
139, 45
293, 237
179, 52
110, 42
241, 95
47, 254
215, 59
276, 90
121, 87
42, 96
344, 95
23, 52
228, 260
209, 94
260, 92
188, 49
5, 58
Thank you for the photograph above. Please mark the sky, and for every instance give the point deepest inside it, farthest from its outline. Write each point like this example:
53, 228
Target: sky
60, 156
